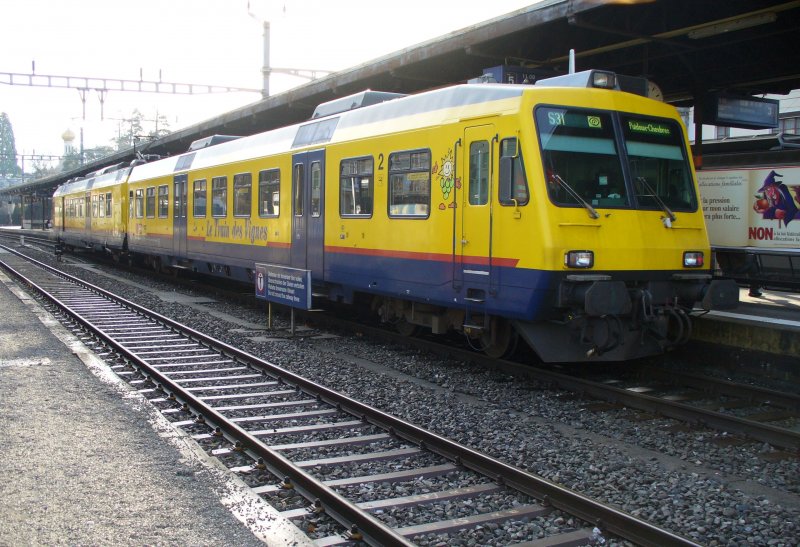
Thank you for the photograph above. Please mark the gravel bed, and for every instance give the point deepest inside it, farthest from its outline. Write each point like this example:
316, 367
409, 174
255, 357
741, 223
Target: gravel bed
304, 454
518, 531
673, 476
361, 469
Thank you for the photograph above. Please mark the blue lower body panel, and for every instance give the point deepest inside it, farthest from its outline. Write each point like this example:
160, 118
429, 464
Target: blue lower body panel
509, 292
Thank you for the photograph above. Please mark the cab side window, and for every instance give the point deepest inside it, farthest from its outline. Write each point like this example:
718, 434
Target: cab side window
513, 182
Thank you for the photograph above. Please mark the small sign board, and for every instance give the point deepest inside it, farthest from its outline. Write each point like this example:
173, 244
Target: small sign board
745, 112
282, 285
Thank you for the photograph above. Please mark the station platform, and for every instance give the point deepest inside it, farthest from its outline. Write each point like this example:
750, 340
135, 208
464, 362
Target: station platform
83, 457
769, 324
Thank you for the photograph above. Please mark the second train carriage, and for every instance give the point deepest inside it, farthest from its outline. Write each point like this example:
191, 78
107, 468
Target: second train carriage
567, 215
91, 212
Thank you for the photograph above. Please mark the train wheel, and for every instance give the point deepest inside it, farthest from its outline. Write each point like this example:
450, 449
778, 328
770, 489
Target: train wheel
405, 328
501, 341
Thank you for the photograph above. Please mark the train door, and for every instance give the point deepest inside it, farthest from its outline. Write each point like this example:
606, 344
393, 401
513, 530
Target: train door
179, 183
474, 231
87, 209
62, 201
308, 212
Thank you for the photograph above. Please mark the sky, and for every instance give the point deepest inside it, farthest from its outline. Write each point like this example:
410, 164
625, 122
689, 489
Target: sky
211, 42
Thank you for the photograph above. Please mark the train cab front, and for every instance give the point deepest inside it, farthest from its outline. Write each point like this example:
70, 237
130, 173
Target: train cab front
612, 317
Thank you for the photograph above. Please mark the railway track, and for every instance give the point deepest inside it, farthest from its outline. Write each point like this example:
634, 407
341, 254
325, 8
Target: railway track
760, 414
757, 413
748, 411
42, 242
286, 435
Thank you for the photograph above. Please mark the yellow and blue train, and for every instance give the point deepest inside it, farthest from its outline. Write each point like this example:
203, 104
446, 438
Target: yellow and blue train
565, 213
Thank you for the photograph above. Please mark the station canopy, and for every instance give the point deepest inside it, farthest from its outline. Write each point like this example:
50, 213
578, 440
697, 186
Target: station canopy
689, 48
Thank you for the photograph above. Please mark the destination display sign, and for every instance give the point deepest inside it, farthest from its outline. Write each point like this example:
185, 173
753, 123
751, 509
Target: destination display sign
744, 112
282, 285
648, 127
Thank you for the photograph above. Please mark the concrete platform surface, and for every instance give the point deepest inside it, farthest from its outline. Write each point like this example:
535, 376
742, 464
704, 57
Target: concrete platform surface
85, 460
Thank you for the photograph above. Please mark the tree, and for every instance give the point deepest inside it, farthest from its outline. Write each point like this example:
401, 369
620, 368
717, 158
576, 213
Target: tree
8, 149
72, 160
42, 169
96, 153
132, 130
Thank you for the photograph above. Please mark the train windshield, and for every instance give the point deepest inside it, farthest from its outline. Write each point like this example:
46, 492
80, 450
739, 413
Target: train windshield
659, 169
583, 154
581, 157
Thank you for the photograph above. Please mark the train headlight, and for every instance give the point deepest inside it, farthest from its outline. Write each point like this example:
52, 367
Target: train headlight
579, 259
605, 80
693, 259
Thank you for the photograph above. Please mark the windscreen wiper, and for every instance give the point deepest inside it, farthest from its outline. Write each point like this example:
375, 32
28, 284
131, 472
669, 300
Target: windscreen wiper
670, 218
571, 191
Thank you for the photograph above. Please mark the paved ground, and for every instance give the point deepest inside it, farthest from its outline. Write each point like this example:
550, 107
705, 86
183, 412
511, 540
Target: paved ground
84, 460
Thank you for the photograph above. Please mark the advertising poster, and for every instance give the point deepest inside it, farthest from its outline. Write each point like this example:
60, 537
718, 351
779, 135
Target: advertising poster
752, 207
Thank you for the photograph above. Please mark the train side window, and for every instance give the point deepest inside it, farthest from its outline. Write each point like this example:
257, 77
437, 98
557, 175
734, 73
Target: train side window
316, 188
513, 185
242, 192
163, 201
109, 209
150, 202
410, 184
356, 187
199, 198
478, 172
219, 196
139, 203
269, 193
94, 206
101, 205
298, 182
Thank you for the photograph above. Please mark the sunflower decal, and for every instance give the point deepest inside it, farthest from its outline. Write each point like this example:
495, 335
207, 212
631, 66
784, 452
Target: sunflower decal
445, 170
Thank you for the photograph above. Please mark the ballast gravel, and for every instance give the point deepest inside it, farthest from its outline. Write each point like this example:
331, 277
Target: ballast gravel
677, 477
